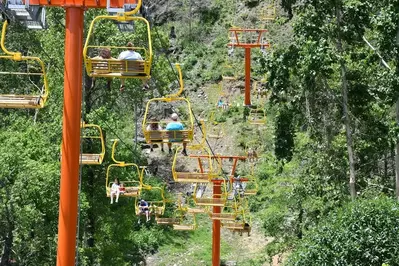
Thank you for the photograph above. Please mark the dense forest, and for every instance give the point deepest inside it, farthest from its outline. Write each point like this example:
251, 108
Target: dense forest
328, 166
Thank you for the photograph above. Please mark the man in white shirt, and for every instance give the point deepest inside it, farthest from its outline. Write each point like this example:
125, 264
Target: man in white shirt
129, 54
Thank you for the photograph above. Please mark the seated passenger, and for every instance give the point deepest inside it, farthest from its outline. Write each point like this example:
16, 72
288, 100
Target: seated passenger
154, 125
129, 54
104, 53
174, 125
122, 189
226, 105
115, 190
251, 155
144, 209
238, 187
220, 103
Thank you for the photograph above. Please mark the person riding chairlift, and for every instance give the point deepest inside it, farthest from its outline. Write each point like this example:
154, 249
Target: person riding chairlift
144, 208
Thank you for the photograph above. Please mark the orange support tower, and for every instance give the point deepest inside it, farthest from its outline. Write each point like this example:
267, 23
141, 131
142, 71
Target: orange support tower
68, 208
216, 225
247, 39
217, 191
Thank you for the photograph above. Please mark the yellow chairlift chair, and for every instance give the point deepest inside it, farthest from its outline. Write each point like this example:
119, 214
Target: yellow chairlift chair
176, 217
257, 117
155, 198
214, 199
228, 213
187, 222
93, 133
268, 13
169, 136
228, 72
116, 68
129, 175
31, 70
203, 174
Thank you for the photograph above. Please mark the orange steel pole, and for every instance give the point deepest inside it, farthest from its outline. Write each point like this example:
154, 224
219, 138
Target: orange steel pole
68, 209
200, 165
247, 100
217, 190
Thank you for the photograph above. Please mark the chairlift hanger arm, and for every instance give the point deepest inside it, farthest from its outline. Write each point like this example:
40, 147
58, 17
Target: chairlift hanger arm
177, 94
17, 56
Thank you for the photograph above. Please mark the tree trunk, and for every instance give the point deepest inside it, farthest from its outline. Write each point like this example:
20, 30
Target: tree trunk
344, 83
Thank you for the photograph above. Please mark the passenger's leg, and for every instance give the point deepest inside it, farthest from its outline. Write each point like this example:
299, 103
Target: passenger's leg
122, 84
117, 195
112, 196
170, 147
184, 149
147, 215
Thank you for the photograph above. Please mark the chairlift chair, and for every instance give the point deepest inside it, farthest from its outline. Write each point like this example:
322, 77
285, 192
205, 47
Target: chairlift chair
268, 13
228, 73
32, 68
156, 206
92, 158
228, 213
115, 68
204, 173
214, 199
169, 136
176, 217
257, 116
128, 173
188, 222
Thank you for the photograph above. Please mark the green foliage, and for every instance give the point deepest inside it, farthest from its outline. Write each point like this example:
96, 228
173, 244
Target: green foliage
284, 142
362, 233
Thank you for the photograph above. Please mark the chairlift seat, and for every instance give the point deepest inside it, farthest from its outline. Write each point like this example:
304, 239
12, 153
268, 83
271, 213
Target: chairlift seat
186, 177
21, 101
250, 192
195, 210
129, 191
110, 68
166, 136
210, 202
87, 158
182, 227
223, 216
168, 221
153, 211
233, 226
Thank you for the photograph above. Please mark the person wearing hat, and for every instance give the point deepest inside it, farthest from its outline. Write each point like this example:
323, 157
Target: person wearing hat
144, 208
175, 125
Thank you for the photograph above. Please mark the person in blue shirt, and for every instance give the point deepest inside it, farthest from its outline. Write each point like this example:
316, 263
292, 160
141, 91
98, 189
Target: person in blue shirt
220, 103
175, 125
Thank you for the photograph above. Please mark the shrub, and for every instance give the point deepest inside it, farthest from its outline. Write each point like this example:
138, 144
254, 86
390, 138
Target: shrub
365, 232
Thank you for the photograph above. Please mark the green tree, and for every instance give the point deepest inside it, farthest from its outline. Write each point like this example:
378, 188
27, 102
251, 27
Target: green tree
361, 233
